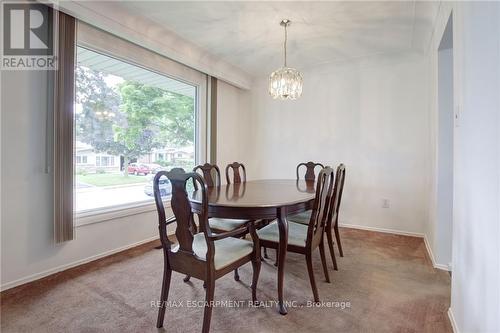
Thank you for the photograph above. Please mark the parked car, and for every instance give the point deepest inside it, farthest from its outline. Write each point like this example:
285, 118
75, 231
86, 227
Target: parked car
153, 167
164, 184
138, 168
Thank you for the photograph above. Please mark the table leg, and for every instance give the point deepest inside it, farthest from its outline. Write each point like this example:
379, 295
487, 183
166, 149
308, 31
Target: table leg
283, 234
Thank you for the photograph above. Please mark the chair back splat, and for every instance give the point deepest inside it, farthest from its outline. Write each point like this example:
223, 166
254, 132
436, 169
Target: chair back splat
337, 196
181, 207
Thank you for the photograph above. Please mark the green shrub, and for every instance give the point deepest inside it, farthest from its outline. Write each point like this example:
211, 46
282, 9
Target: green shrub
164, 163
82, 171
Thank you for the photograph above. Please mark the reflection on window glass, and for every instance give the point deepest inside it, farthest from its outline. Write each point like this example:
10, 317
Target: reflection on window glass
129, 123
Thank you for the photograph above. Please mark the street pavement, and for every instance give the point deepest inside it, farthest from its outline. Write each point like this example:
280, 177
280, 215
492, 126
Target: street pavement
99, 197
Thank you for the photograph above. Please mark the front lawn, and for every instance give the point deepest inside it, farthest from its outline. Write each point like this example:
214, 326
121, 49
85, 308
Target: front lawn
110, 179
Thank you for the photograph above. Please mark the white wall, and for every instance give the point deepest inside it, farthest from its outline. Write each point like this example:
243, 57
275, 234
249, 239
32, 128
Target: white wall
476, 252
233, 112
475, 301
443, 240
373, 117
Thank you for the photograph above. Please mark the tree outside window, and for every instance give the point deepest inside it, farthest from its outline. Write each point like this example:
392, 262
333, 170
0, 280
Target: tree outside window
127, 115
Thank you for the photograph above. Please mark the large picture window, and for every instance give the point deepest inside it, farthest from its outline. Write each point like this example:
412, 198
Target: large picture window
130, 122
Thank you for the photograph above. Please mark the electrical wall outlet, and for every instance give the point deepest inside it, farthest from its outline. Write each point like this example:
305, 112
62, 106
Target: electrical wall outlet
386, 203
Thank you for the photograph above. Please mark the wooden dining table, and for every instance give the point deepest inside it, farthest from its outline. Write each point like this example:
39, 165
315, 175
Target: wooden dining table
257, 200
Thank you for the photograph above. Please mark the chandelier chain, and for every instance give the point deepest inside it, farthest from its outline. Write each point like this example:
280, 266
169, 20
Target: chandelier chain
284, 44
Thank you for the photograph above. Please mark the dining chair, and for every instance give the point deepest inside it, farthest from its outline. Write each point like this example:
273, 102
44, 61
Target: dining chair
309, 177
237, 176
310, 174
203, 255
212, 177
333, 218
304, 239
241, 178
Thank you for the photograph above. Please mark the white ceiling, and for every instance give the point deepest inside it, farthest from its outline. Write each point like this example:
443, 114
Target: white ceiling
248, 35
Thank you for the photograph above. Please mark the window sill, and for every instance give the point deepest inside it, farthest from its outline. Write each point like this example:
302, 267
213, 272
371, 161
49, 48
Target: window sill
111, 213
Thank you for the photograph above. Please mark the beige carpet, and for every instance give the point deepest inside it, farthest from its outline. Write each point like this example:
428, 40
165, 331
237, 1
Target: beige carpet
386, 282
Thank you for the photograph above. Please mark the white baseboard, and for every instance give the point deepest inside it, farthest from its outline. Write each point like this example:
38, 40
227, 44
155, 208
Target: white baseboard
452, 321
387, 231
58, 269
404, 233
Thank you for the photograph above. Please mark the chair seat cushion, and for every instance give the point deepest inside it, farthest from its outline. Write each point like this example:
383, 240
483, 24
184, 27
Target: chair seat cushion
225, 224
297, 233
302, 218
227, 250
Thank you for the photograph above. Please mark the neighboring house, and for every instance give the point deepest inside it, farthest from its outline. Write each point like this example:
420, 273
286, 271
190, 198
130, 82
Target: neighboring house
87, 159
172, 155
90, 161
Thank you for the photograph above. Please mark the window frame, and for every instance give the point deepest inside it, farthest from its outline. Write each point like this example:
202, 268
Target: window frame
109, 45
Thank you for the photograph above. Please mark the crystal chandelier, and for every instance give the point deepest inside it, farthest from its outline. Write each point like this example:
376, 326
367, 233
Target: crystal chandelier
286, 82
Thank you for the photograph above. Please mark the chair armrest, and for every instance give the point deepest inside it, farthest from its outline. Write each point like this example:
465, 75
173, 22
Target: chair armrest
227, 234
